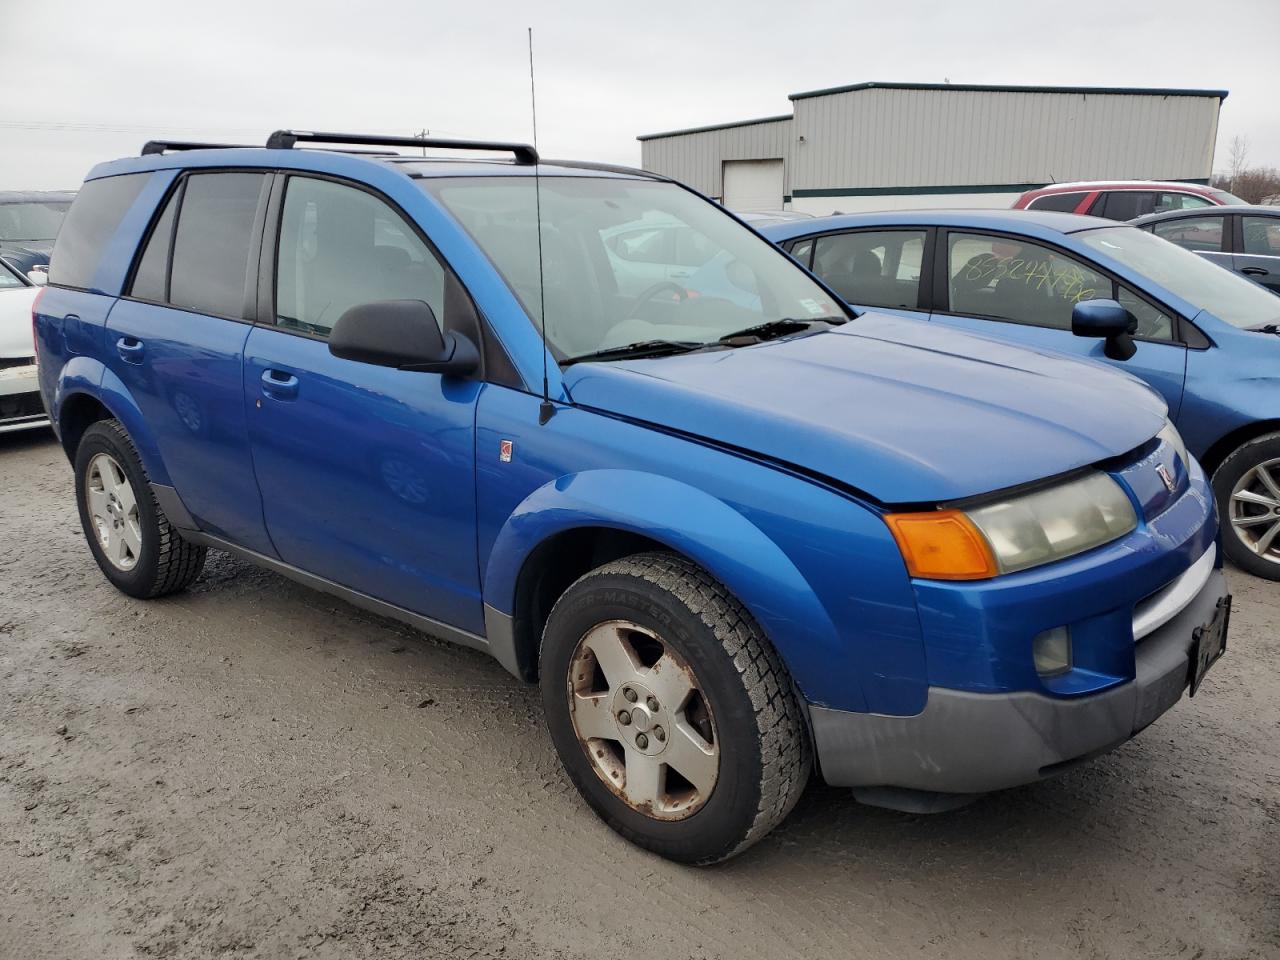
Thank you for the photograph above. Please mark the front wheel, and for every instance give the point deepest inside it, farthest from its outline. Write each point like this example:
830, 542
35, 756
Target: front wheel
671, 711
1247, 489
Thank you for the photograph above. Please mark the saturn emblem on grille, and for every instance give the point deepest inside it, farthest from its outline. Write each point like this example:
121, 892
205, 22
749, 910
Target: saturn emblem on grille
1166, 476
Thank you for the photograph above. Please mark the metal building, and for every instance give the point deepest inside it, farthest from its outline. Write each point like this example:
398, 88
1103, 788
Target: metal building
892, 145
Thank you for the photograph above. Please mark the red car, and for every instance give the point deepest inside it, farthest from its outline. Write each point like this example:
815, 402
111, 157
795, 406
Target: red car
1123, 199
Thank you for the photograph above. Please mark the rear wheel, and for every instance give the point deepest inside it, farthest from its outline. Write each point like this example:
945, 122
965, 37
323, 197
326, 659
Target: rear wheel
128, 533
1247, 489
671, 711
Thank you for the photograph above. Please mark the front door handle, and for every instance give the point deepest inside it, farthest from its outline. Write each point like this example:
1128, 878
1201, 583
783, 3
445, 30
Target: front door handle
1255, 271
279, 384
130, 349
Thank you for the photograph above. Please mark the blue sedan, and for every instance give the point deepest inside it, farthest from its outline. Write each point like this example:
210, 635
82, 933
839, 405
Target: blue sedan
1207, 340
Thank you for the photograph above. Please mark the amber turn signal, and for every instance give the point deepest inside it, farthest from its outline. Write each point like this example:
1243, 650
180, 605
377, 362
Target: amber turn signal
942, 545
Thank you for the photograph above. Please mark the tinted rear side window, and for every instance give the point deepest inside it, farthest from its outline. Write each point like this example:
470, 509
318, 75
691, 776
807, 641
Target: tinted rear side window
1127, 204
211, 269
97, 211
152, 279
1064, 202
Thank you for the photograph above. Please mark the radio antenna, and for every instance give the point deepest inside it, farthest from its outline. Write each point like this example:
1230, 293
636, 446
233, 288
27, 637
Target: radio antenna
546, 409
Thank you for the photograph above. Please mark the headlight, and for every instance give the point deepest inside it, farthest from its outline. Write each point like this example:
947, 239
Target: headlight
1016, 533
1169, 434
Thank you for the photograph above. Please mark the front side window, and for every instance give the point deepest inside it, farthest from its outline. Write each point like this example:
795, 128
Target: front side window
1062, 202
722, 279
802, 251
1017, 280
210, 271
872, 268
1153, 324
1205, 285
1180, 201
1193, 233
341, 247
1261, 236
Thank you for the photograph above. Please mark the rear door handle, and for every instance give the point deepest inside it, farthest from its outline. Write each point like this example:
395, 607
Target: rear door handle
1255, 271
279, 384
130, 349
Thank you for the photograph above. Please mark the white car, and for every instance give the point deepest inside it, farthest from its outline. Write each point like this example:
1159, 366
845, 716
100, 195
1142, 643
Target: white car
20, 405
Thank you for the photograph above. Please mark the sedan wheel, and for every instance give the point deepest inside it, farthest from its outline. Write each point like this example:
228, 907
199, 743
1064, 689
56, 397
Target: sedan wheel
1255, 510
1246, 486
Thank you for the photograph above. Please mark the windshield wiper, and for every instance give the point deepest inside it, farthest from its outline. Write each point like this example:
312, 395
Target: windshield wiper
777, 328
1265, 328
645, 348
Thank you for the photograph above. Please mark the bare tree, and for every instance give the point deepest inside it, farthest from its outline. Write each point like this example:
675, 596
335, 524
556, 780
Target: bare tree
1238, 156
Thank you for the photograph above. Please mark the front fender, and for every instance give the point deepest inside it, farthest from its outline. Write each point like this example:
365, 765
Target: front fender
687, 520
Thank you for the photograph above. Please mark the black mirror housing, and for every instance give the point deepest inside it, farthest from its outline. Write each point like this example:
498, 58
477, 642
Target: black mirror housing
402, 334
1109, 320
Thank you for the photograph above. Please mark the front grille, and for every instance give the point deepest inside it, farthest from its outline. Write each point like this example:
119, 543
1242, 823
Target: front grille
20, 405
7, 362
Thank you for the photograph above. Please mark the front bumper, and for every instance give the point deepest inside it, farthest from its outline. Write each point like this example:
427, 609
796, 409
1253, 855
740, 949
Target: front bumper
20, 405
966, 742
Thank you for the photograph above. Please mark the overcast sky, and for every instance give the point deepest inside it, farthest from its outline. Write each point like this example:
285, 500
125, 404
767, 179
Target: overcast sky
91, 80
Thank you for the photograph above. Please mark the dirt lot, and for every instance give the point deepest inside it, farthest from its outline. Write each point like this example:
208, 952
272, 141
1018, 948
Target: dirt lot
251, 769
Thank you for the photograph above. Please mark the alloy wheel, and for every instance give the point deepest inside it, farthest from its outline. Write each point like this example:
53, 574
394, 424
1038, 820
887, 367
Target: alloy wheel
1255, 510
113, 509
642, 719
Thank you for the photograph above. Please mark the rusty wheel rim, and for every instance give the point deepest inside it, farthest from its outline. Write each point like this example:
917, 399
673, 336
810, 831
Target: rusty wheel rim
643, 721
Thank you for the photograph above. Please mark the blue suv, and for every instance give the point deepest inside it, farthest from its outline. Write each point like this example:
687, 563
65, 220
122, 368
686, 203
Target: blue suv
734, 534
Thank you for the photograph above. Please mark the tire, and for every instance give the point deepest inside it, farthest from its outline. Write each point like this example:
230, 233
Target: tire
1247, 489
723, 687
130, 537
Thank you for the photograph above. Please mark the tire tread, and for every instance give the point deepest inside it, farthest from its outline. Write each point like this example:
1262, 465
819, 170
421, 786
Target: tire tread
785, 750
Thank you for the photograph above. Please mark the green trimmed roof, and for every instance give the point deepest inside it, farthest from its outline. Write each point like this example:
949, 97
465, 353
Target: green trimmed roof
998, 88
714, 126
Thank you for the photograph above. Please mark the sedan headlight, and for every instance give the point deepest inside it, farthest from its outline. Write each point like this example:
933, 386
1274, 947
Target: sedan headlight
1015, 533
1169, 434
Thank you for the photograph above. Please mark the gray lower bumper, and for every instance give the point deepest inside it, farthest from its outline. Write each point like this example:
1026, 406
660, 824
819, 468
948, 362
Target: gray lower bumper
973, 742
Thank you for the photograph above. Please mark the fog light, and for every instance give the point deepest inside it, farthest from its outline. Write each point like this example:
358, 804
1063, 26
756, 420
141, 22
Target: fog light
1052, 651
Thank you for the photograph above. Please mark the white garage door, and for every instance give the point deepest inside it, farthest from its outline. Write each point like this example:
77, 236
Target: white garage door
753, 184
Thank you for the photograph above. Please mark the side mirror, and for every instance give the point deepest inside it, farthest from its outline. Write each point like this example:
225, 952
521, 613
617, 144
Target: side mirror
37, 276
401, 334
1109, 320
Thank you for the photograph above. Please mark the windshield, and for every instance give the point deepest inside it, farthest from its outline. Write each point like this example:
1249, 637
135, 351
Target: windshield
1226, 199
9, 277
629, 261
1229, 297
32, 221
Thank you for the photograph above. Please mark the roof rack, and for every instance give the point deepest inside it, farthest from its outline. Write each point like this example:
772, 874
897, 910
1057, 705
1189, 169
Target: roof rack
152, 147
285, 140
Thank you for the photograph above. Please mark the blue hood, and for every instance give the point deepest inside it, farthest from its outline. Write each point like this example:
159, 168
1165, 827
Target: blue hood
903, 410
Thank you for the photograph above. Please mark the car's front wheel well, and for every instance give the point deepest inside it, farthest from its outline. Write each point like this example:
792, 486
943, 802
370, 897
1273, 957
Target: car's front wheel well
77, 414
1225, 446
551, 568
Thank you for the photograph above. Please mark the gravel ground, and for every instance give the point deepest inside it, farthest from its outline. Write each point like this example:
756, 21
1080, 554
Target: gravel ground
251, 769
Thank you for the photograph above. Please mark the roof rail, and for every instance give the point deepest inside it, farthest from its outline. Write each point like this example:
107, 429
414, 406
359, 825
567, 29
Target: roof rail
152, 147
285, 140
